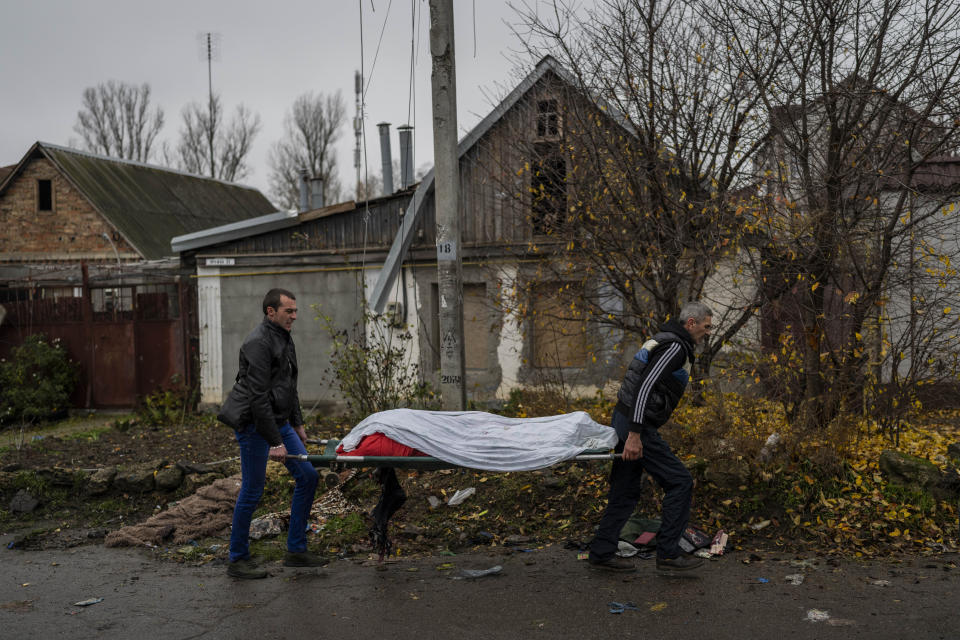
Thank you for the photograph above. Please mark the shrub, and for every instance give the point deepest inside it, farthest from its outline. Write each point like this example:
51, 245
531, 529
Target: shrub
374, 369
36, 382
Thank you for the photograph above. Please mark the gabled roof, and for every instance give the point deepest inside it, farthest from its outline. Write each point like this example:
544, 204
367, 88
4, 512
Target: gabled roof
401, 242
149, 205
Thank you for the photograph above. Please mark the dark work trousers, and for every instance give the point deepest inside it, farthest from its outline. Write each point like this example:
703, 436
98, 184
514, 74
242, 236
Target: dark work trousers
626, 488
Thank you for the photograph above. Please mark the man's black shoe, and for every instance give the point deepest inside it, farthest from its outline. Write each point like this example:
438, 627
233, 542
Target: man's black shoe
613, 563
304, 559
245, 569
680, 563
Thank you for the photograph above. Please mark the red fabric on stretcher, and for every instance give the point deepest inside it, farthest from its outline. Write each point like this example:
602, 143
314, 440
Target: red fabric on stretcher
377, 444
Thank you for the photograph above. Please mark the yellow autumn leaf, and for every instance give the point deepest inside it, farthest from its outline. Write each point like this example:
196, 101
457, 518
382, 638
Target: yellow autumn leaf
660, 606
895, 533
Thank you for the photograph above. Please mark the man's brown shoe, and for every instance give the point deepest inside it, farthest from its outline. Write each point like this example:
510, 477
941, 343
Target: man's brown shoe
613, 563
680, 563
304, 559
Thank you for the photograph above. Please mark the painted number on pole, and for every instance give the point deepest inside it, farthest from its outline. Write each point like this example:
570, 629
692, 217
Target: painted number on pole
449, 379
446, 251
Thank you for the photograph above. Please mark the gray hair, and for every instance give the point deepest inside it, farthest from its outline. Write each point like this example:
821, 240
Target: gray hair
696, 310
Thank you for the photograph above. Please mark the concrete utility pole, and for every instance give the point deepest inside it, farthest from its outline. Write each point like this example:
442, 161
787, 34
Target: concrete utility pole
446, 178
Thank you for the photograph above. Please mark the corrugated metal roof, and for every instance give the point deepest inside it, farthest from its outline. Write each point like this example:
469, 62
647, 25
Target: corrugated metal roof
149, 205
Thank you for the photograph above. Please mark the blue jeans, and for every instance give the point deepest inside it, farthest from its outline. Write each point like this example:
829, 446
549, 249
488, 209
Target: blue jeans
626, 489
254, 452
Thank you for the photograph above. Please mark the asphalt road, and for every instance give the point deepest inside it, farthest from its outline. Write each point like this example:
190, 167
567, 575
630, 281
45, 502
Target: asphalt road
545, 593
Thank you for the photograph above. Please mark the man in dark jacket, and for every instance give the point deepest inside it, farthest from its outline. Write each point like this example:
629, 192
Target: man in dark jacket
651, 389
264, 410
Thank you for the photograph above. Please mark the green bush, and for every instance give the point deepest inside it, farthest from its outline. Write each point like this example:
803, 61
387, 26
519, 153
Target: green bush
36, 382
373, 368
169, 404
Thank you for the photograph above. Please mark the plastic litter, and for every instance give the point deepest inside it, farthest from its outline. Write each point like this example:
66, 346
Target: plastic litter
460, 496
719, 543
795, 578
818, 615
880, 583
626, 550
620, 607
470, 574
434, 501
763, 580
87, 603
763, 524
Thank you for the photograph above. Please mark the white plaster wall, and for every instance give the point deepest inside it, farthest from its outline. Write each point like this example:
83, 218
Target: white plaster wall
211, 336
510, 346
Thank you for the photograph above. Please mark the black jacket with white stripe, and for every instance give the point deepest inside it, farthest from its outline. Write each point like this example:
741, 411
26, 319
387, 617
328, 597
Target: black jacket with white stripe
656, 378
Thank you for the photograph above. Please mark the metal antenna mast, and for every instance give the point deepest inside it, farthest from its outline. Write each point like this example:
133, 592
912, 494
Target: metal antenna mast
358, 127
210, 49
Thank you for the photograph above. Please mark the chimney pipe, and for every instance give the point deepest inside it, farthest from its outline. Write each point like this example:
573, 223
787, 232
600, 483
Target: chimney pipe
406, 155
304, 190
386, 158
316, 193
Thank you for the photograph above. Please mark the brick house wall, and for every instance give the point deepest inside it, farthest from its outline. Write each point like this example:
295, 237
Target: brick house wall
71, 230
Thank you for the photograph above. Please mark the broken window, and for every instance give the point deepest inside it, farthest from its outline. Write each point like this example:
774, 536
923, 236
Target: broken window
44, 195
548, 187
548, 119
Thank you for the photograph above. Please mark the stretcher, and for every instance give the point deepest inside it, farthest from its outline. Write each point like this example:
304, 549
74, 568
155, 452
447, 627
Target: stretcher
392, 496
330, 458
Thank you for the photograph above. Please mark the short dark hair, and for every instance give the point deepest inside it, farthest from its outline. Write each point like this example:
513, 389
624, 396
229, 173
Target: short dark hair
272, 299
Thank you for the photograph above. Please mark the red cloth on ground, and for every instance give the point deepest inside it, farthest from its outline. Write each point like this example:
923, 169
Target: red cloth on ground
377, 444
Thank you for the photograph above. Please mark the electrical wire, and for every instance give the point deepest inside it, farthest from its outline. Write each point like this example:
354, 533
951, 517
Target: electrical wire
376, 54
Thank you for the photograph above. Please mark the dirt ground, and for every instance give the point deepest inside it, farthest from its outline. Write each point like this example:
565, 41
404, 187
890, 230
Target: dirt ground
97, 441
529, 524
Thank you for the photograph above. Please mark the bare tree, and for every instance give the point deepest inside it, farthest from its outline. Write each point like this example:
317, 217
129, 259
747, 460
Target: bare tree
311, 129
630, 176
854, 190
116, 120
210, 146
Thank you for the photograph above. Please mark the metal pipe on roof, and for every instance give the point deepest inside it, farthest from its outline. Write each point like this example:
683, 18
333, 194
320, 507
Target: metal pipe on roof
386, 158
316, 193
304, 190
406, 155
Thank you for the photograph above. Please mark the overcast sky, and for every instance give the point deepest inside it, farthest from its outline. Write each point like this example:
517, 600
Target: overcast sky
270, 53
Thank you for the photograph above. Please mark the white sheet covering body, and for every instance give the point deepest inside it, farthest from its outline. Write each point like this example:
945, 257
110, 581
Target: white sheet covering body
487, 441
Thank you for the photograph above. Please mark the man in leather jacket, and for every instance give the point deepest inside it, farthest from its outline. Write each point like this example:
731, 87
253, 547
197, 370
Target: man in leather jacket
652, 387
264, 410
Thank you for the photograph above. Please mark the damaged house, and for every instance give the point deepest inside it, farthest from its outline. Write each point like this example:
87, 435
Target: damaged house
85, 258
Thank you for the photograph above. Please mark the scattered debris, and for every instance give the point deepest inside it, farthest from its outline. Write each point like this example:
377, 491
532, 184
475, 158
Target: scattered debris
271, 524
660, 606
434, 501
460, 496
516, 540
626, 550
87, 603
620, 607
757, 526
719, 543
763, 580
880, 583
817, 615
469, 574
795, 578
